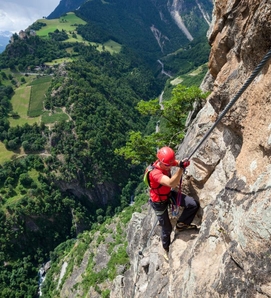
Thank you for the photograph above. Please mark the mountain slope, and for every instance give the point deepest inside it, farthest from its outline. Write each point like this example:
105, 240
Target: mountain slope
65, 6
230, 175
64, 176
152, 28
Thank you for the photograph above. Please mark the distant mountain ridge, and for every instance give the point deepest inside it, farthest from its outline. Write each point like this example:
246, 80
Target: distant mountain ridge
65, 6
152, 28
147, 26
4, 39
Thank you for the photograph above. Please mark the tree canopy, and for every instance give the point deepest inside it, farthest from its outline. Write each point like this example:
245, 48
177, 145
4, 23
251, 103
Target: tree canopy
172, 114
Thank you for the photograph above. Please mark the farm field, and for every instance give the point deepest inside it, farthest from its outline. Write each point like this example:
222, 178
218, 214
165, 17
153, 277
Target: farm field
38, 91
27, 101
20, 103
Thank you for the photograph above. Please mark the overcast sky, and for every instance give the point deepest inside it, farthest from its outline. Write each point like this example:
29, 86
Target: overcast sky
16, 15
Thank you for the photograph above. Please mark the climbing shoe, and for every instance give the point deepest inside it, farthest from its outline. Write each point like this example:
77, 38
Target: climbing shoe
166, 254
182, 226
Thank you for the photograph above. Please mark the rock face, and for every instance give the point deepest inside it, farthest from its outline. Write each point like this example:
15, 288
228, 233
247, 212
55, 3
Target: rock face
230, 175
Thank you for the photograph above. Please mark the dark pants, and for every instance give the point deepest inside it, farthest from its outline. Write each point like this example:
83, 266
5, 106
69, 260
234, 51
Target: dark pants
191, 207
161, 210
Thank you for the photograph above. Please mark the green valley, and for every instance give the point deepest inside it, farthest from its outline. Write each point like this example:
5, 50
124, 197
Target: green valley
79, 100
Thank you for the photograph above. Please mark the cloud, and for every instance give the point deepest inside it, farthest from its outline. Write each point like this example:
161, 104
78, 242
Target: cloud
18, 15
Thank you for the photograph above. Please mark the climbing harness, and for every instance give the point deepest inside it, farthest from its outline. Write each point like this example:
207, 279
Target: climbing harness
175, 206
176, 203
231, 103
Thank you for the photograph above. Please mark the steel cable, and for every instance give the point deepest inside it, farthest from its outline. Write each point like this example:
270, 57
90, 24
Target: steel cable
231, 103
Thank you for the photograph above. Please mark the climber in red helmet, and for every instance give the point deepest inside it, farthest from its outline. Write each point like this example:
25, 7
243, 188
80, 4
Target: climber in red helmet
161, 185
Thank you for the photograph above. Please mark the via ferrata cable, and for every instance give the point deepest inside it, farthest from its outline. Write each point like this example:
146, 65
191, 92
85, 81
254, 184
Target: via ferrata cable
231, 103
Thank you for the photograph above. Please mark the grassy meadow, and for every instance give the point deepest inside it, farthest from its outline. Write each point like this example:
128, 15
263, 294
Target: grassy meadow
17, 193
5, 155
68, 23
56, 115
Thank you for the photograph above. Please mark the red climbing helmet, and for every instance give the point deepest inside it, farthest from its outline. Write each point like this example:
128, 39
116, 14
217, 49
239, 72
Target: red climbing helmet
166, 155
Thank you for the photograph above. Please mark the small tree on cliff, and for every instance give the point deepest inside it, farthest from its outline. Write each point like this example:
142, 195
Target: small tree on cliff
171, 115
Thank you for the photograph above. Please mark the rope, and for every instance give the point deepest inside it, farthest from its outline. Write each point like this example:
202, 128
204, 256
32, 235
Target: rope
179, 195
175, 204
239, 93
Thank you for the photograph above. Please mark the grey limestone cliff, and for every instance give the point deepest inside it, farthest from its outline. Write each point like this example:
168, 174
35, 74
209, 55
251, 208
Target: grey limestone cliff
230, 175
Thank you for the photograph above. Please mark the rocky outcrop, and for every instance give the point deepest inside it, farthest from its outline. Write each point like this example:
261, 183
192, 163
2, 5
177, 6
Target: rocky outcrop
101, 194
230, 175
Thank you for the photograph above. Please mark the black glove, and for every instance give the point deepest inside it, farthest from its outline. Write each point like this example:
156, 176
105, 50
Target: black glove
184, 164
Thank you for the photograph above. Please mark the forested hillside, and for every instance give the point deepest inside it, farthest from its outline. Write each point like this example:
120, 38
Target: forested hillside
53, 193
69, 100
131, 23
151, 28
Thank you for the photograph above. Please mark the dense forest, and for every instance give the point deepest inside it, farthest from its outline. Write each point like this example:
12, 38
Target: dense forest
130, 23
99, 92
29, 53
